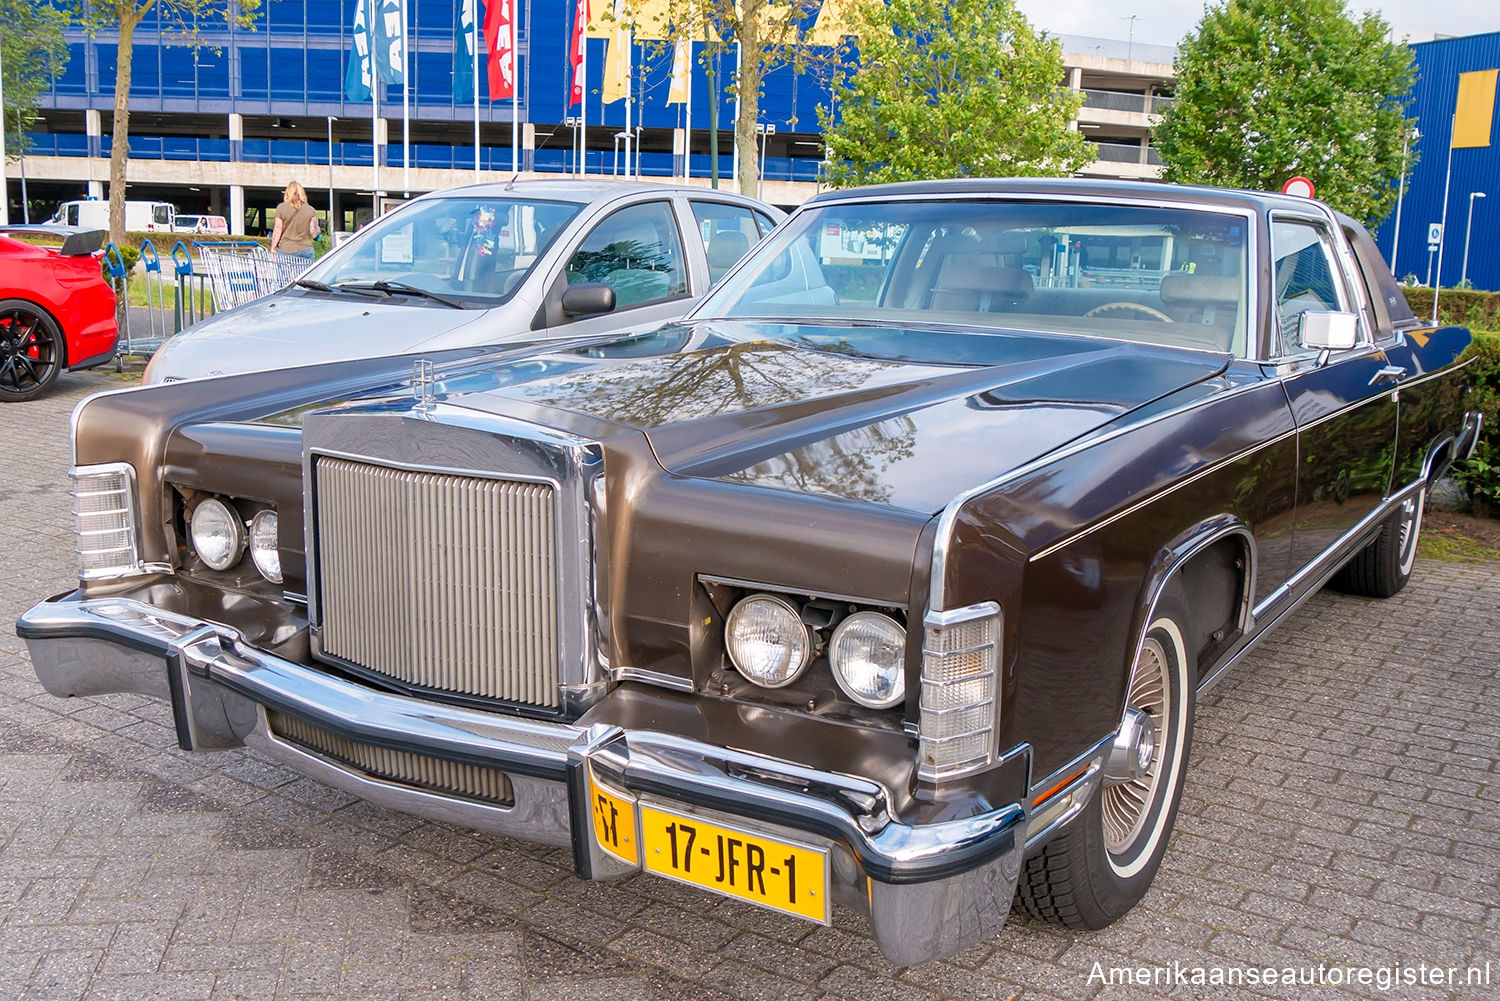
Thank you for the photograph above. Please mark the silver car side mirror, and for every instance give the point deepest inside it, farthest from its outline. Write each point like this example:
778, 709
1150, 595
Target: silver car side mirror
1326, 330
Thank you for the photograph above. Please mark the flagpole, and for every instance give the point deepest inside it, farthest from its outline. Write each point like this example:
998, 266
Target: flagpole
739, 65
687, 146
583, 99
374, 123
405, 106
474, 29
515, 89
1437, 284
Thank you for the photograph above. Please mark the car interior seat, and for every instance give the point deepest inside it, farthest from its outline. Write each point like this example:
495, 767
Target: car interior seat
725, 248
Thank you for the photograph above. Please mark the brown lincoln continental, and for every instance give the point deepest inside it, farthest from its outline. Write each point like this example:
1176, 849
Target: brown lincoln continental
886, 579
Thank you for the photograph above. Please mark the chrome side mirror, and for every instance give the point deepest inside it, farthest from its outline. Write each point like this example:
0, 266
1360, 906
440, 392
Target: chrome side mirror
1327, 330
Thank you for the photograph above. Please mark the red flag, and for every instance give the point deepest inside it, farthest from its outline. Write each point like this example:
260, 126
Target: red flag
502, 57
575, 54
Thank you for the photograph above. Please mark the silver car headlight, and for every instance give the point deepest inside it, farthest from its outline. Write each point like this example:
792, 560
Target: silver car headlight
868, 657
217, 534
264, 550
767, 640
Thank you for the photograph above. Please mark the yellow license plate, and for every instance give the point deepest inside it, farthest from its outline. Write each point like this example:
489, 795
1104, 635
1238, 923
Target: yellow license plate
614, 823
766, 871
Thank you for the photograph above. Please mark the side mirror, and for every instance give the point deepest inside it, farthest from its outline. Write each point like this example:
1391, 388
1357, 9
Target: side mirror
588, 298
1326, 330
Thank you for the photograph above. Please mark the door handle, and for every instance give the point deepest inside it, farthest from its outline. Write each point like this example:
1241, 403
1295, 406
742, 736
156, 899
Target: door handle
1387, 374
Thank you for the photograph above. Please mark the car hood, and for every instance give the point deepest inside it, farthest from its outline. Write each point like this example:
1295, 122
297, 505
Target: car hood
291, 328
794, 407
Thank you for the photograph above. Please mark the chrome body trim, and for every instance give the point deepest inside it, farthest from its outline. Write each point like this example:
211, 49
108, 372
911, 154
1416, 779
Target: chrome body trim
649, 677
752, 585
1337, 553
957, 876
1047, 820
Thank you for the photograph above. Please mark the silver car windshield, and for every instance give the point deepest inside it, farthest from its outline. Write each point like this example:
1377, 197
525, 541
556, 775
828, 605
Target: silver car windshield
478, 249
1141, 273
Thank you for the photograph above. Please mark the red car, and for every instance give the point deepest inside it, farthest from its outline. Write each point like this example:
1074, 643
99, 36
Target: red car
56, 312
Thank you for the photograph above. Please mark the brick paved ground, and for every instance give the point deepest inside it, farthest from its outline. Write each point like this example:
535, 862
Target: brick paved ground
1341, 808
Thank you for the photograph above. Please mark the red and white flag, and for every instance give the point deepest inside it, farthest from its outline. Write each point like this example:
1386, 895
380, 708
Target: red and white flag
499, 33
576, 52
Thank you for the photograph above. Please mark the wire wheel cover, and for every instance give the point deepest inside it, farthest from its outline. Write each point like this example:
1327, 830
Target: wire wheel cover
1127, 805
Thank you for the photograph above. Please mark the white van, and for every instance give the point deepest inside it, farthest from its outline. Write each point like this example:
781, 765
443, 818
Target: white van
140, 217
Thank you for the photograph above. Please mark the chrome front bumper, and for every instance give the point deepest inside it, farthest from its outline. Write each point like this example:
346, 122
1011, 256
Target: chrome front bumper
928, 890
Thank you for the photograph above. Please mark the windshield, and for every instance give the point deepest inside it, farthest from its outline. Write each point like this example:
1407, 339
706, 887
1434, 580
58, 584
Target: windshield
1161, 275
474, 248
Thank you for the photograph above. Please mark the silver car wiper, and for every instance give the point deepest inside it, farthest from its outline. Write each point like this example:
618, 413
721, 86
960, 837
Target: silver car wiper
318, 286
402, 288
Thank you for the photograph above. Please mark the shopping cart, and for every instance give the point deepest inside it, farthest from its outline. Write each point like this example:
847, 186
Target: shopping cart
241, 272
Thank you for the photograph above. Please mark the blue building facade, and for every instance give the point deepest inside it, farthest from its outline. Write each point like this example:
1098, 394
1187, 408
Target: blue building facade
1439, 64
285, 77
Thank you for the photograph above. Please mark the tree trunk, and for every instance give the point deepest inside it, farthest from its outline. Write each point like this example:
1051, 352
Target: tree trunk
752, 31
120, 140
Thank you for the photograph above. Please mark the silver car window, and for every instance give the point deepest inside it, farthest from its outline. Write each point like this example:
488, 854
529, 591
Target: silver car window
475, 248
637, 252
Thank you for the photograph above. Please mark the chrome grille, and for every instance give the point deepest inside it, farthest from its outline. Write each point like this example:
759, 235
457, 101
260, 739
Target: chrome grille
443, 581
420, 770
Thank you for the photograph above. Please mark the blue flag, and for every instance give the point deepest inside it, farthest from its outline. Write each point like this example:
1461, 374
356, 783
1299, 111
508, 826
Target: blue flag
463, 53
357, 78
390, 40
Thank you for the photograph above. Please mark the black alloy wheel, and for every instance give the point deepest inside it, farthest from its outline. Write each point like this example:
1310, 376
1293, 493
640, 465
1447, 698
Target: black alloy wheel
31, 351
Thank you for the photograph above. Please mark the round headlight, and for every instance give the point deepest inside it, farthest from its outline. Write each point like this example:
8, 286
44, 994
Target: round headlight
868, 657
767, 640
218, 534
263, 549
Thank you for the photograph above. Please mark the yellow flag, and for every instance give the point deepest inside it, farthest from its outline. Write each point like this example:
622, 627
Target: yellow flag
832, 25
617, 58
681, 67
1474, 110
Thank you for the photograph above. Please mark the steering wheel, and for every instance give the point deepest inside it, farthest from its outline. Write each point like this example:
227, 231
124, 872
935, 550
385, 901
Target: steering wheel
1129, 307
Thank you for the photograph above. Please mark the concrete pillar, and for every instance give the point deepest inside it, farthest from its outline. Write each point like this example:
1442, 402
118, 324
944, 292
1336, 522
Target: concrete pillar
679, 152
236, 137
1075, 79
528, 147
94, 129
237, 209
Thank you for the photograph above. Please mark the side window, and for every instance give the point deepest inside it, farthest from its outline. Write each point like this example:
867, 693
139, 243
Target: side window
162, 214
636, 251
766, 223
728, 231
72, 217
1305, 274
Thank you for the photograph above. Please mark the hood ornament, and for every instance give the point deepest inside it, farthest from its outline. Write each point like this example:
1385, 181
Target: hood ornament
423, 385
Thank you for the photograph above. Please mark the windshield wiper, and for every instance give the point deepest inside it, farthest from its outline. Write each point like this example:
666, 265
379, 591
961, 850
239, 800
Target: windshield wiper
318, 286
402, 288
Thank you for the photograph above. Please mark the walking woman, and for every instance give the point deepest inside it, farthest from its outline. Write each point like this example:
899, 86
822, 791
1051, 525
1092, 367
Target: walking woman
296, 224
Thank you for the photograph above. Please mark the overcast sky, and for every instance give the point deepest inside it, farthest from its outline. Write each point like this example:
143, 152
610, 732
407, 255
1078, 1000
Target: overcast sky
1163, 22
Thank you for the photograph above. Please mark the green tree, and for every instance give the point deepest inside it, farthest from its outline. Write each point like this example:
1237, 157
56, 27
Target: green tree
1271, 89
951, 88
32, 53
181, 18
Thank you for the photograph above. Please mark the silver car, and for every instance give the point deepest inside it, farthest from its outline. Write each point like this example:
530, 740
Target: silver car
484, 264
